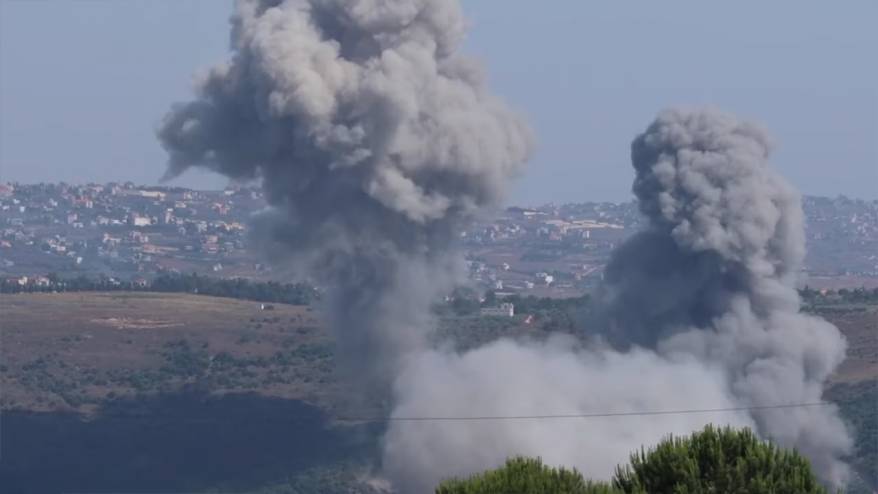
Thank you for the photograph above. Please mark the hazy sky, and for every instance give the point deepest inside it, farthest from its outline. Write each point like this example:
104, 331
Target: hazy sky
83, 84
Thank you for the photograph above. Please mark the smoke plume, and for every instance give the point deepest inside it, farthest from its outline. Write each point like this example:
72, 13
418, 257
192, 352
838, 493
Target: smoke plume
508, 378
701, 312
714, 276
376, 143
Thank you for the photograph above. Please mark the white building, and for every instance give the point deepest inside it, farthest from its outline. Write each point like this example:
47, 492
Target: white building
503, 310
138, 220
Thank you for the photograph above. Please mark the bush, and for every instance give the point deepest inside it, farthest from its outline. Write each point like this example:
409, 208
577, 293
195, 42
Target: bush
525, 476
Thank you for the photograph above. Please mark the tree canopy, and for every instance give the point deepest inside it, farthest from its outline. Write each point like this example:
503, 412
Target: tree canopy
525, 476
717, 461
713, 460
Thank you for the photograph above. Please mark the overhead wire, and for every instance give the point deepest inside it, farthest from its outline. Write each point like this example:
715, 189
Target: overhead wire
365, 418
579, 415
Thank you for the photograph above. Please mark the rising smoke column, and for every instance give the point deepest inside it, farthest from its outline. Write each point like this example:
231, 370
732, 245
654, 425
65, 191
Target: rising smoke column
714, 276
374, 141
701, 312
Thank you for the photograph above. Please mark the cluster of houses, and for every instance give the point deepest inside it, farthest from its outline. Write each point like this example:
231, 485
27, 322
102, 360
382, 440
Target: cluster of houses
128, 231
122, 228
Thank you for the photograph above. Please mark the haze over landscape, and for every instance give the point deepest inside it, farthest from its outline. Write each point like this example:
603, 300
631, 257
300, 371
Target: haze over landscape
351, 303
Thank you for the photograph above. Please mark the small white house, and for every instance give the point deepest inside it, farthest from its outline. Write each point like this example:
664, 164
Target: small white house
505, 309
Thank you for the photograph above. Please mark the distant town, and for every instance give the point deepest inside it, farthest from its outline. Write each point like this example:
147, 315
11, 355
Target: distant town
130, 234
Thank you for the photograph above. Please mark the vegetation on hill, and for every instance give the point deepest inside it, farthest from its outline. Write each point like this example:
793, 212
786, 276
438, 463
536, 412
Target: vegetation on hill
720, 461
269, 291
858, 404
843, 296
553, 314
111, 345
118, 346
238, 288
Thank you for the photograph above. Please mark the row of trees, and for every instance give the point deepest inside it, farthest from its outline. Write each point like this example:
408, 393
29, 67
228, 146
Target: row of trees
466, 301
860, 295
270, 291
713, 460
260, 291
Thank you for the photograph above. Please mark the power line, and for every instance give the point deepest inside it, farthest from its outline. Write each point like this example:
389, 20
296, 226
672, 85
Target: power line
321, 418
581, 415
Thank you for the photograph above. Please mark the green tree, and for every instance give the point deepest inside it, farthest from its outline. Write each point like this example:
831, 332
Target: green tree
490, 299
525, 476
718, 461
713, 460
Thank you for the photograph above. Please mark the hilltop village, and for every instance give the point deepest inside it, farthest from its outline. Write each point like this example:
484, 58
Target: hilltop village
127, 233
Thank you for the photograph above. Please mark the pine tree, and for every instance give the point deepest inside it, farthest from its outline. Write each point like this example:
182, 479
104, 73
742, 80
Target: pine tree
717, 461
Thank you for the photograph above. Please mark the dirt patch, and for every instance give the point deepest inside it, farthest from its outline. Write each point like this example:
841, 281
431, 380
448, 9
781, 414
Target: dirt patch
130, 323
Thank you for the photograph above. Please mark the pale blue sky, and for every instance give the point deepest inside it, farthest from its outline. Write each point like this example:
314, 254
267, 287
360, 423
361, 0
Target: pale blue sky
84, 83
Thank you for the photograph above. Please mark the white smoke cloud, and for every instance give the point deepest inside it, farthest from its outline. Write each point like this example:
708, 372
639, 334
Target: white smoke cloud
507, 378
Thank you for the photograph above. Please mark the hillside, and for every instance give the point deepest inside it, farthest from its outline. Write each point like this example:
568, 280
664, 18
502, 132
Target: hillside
122, 375
112, 345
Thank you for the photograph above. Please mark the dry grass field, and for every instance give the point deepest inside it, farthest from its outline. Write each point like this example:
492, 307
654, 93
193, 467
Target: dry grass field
73, 350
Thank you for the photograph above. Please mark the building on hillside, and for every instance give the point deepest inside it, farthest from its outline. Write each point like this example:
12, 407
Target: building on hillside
138, 220
505, 309
151, 194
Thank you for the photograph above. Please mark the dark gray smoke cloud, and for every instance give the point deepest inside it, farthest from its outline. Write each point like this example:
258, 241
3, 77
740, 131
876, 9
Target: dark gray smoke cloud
701, 313
721, 223
714, 275
374, 141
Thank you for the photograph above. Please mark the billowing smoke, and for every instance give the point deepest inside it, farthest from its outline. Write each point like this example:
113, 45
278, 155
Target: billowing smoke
375, 142
701, 312
714, 276
508, 378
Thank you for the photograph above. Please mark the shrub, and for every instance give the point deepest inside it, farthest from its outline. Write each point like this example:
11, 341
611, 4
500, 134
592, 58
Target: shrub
525, 476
